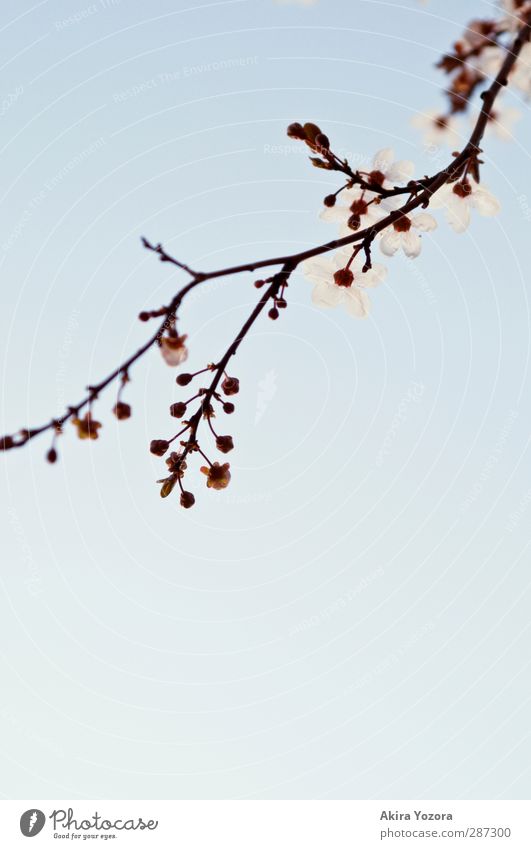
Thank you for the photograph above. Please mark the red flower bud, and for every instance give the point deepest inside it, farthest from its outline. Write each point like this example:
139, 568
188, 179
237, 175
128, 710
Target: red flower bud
330, 200
144, 316
322, 141
184, 379
228, 407
122, 411
187, 499
52, 455
224, 444
273, 313
231, 386
296, 131
159, 447
178, 410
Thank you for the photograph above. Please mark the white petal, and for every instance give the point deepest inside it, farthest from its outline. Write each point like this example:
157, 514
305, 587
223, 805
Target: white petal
336, 214
390, 242
485, 203
326, 295
401, 171
411, 243
356, 302
373, 277
383, 159
318, 268
441, 197
458, 215
424, 221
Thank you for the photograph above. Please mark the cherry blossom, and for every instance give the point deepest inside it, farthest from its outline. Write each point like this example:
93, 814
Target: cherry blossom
502, 120
356, 210
457, 200
437, 129
515, 11
386, 172
173, 350
401, 234
335, 288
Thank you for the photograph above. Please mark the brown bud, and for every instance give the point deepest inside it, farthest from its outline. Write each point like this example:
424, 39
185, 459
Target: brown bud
259, 283
224, 444
343, 277
144, 316
184, 379
330, 200
187, 499
228, 407
122, 411
282, 303
322, 141
52, 455
311, 131
273, 313
230, 386
6, 442
178, 410
159, 447
296, 131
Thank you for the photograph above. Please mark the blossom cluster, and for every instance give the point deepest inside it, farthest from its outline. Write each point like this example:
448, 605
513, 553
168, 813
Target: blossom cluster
476, 58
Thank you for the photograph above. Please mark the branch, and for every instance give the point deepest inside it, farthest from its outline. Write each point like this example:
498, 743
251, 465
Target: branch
420, 193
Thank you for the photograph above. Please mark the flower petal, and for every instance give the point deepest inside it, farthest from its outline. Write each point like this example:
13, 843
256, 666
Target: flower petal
401, 171
318, 268
356, 302
383, 159
411, 243
337, 214
326, 295
390, 242
373, 277
485, 203
458, 215
424, 221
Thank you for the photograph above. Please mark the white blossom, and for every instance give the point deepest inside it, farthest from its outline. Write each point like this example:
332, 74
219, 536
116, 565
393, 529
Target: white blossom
490, 60
386, 173
326, 291
356, 206
515, 11
502, 120
174, 350
437, 129
403, 234
458, 199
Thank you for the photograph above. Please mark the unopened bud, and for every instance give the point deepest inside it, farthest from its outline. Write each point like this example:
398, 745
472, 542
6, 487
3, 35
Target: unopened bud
178, 410
187, 500
159, 447
330, 200
122, 411
184, 379
231, 386
224, 444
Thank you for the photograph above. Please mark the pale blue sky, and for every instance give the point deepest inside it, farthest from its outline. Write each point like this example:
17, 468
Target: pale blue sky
350, 618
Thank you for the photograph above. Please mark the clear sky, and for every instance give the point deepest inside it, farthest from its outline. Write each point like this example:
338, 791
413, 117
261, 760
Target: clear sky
350, 618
